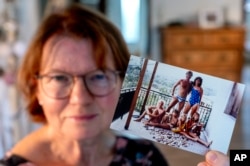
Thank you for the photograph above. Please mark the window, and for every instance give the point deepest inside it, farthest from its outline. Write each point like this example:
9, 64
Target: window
130, 22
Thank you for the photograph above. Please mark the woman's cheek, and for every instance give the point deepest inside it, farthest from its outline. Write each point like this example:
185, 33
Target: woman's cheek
52, 109
111, 107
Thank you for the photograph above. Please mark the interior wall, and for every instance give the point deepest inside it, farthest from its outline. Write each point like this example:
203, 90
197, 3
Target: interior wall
162, 12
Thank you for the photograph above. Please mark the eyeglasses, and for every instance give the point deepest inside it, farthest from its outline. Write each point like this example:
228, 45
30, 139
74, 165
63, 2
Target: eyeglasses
59, 85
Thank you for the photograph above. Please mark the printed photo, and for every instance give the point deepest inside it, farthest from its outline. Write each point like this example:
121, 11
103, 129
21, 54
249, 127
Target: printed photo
178, 107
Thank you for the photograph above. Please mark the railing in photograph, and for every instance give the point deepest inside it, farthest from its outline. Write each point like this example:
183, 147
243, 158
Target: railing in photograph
154, 96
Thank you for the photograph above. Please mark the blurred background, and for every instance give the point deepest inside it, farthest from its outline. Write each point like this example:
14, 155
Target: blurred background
209, 36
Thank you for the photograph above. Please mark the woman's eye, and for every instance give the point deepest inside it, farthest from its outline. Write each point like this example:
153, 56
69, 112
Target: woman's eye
98, 77
60, 78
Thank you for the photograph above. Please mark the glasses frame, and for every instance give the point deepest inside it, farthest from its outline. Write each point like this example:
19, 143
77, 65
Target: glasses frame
83, 77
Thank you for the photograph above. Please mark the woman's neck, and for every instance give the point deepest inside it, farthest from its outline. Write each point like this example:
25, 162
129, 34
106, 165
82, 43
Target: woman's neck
83, 152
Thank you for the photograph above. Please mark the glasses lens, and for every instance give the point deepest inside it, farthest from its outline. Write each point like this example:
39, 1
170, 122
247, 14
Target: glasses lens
100, 82
57, 85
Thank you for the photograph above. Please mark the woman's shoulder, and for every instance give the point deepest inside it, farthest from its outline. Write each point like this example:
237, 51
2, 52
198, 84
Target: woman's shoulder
137, 150
30, 143
27, 149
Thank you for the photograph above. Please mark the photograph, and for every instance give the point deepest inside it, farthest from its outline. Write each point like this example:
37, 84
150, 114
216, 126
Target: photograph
177, 107
210, 18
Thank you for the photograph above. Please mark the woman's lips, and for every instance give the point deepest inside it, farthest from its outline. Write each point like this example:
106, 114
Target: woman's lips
83, 117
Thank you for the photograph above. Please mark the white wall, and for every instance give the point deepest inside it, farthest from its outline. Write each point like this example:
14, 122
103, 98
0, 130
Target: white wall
165, 11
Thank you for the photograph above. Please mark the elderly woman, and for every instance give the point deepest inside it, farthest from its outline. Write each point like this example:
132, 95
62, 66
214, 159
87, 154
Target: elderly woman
71, 77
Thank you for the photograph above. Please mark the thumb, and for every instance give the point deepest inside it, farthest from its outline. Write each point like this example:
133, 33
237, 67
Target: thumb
216, 158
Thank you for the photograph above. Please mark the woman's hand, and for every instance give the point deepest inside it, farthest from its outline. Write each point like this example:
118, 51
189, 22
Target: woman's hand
215, 158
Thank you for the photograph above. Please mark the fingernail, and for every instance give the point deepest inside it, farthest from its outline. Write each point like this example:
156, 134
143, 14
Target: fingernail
211, 156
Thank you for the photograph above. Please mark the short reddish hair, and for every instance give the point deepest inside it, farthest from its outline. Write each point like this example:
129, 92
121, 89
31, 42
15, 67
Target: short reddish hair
75, 21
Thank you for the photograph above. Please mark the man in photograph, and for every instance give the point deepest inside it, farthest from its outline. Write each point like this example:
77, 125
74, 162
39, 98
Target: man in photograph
185, 86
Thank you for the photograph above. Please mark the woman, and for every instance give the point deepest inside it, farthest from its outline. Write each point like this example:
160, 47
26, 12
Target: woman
195, 97
71, 77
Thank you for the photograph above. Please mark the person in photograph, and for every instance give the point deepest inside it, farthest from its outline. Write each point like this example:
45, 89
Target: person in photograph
195, 97
181, 124
192, 123
184, 88
193, 130
168, 121
153, 112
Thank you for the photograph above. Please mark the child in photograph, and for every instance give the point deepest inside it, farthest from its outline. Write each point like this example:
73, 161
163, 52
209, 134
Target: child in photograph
193, 130
181, 124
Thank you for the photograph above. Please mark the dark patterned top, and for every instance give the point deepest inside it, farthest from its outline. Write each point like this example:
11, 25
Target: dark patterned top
129, 152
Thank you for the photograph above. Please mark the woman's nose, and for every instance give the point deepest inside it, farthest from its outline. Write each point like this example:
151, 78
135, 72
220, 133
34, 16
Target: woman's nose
80, 93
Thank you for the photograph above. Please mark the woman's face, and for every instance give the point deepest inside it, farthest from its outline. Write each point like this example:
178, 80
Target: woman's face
81, 115
198, 82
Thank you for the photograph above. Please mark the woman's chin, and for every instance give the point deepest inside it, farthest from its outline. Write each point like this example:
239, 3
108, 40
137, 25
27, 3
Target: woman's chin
83, 134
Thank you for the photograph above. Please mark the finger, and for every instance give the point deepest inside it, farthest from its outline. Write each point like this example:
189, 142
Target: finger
202, 164
215, 158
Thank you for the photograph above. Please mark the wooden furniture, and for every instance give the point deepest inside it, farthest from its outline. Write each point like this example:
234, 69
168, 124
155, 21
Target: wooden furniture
217, 52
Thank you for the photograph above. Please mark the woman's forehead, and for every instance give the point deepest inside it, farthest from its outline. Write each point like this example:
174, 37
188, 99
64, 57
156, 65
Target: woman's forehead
60, 53
75, 52
61, 41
